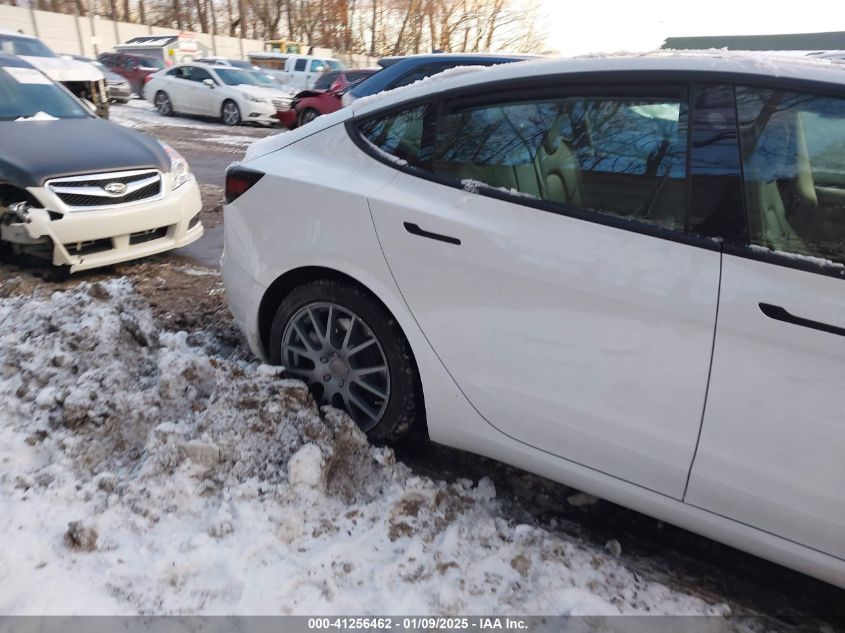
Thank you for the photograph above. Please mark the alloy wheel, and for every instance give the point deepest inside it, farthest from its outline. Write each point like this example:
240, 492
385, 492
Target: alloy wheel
163, 104
336, 353
231, 113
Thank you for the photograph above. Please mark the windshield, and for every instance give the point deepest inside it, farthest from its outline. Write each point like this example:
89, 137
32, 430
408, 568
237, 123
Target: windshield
150, 62
235, 77
25, 92
26, 46
262, 79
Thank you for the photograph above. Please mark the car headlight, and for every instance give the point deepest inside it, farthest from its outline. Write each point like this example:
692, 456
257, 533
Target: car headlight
180, 173
255, 99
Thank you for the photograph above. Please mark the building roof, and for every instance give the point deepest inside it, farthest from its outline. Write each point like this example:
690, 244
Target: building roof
831, 40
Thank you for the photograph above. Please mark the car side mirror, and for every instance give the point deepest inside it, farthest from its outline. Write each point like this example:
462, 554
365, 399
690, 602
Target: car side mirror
208, 82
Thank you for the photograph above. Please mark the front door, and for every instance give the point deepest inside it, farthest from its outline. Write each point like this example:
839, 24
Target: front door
541, 248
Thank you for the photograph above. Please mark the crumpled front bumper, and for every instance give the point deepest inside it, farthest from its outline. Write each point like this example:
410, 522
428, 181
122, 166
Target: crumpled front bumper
100, 237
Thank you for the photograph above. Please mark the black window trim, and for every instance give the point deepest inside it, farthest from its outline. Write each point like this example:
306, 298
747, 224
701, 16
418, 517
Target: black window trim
607, 81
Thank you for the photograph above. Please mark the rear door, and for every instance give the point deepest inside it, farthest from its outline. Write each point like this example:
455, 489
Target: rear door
772, 448
541, 245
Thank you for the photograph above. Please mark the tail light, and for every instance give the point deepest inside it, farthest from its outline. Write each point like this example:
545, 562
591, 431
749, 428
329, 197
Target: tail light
239, 180
147, 78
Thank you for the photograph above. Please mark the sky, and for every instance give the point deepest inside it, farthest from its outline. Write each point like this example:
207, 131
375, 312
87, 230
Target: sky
577, 26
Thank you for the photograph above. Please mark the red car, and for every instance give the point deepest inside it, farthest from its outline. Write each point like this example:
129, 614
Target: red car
324, 98
134, 68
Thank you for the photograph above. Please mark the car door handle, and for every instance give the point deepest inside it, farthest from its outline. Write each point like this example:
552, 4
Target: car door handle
782, 314
414, 229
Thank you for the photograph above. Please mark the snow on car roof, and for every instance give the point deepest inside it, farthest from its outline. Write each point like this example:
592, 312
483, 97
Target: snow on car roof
713, 60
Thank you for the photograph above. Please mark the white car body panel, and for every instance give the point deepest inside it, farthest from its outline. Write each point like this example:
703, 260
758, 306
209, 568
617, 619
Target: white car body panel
740, 478
772, 449
580, 310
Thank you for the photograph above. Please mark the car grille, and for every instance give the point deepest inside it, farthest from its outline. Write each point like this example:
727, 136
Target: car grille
93, 190
283, 103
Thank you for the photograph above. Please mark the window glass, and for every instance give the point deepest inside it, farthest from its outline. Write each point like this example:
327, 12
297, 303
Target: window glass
421, 72
716, 203
175, 72
237, 77
300, 65
317, 66
404, 137
24, 92
619, 156
25, 46
793, 156
200, 74
325, 80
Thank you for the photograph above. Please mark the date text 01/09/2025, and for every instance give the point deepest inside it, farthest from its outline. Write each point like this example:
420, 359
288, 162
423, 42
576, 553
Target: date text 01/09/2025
374, 623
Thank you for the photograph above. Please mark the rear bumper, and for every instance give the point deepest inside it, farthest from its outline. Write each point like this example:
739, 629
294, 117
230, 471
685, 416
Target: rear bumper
243, 291
90, 239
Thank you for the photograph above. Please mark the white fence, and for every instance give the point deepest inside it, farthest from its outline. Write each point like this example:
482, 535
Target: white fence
89, 36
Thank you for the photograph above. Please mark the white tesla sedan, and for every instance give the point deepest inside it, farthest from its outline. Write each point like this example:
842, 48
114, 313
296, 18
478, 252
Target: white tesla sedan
626, 274
233, 95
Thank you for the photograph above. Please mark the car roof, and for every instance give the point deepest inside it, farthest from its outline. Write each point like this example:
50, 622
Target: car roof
398, 67
711, 62
12, 60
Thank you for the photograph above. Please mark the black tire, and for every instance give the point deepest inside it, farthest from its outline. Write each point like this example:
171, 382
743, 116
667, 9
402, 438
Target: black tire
233, 116
405, 410
163, 104
306, 116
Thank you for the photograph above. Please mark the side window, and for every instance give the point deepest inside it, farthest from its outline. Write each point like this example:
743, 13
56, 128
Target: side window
716, 203
325, 81
176, 73
404, 137
793, 157
317, 66
300, 65
421, 72
199, 74
618, 156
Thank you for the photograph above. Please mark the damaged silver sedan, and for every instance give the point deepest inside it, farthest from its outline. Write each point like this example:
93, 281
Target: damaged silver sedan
82, 192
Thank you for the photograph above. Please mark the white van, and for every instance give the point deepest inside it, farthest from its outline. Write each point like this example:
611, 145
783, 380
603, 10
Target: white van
295, 72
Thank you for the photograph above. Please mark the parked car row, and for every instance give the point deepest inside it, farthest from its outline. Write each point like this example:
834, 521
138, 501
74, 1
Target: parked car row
626, 274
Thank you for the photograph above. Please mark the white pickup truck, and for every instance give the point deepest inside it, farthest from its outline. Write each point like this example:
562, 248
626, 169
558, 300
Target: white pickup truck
294, 72
84, 80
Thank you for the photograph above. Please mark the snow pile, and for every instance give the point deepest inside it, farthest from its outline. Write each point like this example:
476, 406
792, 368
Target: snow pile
141, 474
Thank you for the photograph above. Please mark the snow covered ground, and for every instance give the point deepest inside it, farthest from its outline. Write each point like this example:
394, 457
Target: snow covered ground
153, 471
142, 115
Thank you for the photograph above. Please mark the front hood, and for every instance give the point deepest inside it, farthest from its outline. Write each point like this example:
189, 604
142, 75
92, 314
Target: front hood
34, 151
61, 69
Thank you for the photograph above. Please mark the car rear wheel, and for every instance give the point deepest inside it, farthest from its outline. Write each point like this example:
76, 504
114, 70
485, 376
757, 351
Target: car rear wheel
352, 355
163, 104
230, 113
307, 115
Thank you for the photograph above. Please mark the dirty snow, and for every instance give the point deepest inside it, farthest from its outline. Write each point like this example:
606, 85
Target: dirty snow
147, 471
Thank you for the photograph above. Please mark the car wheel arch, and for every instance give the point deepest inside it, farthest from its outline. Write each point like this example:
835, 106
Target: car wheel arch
278, 289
